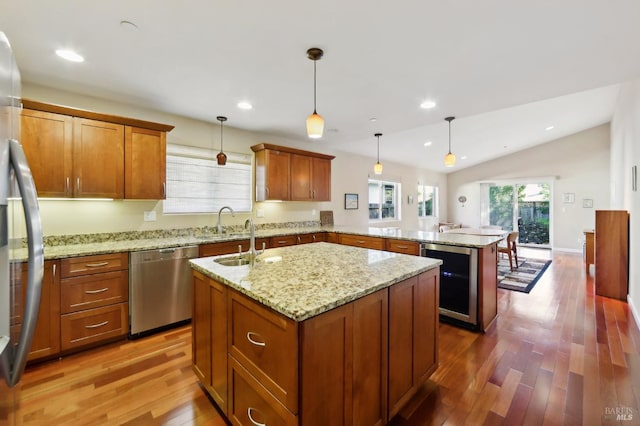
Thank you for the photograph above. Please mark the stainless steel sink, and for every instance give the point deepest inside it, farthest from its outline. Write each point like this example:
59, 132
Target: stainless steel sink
233, 260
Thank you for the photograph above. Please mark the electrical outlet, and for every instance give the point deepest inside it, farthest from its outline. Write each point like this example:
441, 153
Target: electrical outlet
259, 213
150, 216
313, 214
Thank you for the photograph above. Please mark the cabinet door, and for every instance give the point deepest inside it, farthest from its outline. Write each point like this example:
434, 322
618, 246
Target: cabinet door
46, 339
321, 179
98, 159
273, 174
201, 330
144, 163
413, 324
47, 140
301, 178
219, 359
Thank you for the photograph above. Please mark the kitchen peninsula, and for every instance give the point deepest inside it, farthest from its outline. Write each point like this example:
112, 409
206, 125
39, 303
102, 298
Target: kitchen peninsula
315, 333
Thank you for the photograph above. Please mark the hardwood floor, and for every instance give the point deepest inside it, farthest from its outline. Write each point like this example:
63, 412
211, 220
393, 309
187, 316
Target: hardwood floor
558, 355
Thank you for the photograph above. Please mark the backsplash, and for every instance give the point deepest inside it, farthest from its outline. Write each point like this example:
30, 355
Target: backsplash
60, 240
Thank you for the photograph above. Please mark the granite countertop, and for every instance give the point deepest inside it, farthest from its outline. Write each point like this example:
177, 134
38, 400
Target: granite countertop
306, 280
122, 242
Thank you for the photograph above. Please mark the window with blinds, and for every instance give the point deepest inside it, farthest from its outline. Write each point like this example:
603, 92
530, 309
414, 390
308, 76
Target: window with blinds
196, 184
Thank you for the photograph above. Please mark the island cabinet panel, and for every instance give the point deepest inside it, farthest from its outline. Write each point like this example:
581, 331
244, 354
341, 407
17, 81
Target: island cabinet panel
145, 163
413, 324
209, 334
266, 344
364, 241
403, 246
47, 139
487, 290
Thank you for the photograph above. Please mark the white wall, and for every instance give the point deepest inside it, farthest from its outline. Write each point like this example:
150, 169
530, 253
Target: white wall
625, 153
349, 175
578, 163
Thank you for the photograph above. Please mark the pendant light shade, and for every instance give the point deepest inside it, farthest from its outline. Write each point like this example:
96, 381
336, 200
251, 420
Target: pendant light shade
449, 159
377, 168
221, 157
315, 122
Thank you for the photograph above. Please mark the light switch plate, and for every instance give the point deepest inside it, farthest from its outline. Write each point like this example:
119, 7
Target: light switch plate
150, 216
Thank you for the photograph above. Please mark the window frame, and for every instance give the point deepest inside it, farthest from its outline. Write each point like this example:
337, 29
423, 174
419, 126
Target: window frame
396, 204
435, 205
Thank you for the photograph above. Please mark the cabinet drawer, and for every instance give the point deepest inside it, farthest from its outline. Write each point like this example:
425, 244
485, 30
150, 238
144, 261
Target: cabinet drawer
252, 403
362, 241
86, 265
229, 247
266, 344
286, 240
92, 291
403, 246
311, 238
94, 325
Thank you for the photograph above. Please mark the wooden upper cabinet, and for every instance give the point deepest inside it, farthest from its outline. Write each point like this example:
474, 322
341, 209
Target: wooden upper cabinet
98, 159
290, 174
145, 163
47, 140
321, 179
78, 153
301, 175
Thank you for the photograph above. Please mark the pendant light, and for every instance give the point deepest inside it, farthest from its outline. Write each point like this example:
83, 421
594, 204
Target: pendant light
221, 157
377, 169
449, 159
315, 122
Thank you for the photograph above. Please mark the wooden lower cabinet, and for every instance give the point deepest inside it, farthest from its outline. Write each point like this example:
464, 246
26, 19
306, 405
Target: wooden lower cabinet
339, 367
376, 243
230, 247
94, 296
403, 246
413, 325
46, 337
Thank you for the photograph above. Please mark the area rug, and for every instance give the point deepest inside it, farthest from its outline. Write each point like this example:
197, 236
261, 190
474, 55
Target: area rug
522, 278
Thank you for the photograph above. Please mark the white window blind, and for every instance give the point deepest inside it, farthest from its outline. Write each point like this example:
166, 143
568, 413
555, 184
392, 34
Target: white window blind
196, 184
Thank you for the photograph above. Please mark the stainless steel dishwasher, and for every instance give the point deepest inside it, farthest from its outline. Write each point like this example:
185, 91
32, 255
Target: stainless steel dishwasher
160, 290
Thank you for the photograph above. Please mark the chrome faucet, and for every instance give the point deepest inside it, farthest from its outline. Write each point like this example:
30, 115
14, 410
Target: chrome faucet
220, 228
252, 239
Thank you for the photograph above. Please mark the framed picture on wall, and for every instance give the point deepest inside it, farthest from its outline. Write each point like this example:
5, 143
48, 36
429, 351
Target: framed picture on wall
350, 201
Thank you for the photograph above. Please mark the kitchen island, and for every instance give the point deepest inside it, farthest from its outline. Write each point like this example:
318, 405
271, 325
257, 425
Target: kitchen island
315, 334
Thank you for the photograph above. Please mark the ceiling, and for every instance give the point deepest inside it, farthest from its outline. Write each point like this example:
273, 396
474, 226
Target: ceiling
507, 70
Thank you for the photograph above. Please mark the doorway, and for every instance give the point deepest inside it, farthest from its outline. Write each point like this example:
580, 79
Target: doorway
522, 207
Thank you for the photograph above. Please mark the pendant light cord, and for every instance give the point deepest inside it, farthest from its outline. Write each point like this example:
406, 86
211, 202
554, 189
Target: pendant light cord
222, 123
314, 86
449, 136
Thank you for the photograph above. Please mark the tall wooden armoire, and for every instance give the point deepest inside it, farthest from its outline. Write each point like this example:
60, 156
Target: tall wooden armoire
612, 253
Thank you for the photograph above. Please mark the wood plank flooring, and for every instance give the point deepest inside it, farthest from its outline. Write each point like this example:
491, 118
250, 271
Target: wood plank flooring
559, 355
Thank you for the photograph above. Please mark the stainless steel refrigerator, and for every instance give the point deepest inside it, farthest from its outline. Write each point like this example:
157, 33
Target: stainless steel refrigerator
19, 220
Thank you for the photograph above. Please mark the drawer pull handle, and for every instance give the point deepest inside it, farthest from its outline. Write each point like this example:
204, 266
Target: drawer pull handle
402, 247
250, 338
249, 410
96, 265
97, 325
314, 238
102, 290
360, 242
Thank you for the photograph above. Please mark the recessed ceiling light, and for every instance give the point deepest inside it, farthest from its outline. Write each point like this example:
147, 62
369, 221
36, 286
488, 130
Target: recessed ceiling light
428, 143
373, 119
69, 55
245, 105
427, 104
464, 157
549, 128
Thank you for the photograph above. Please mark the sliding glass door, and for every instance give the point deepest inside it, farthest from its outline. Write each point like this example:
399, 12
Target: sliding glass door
522, 207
